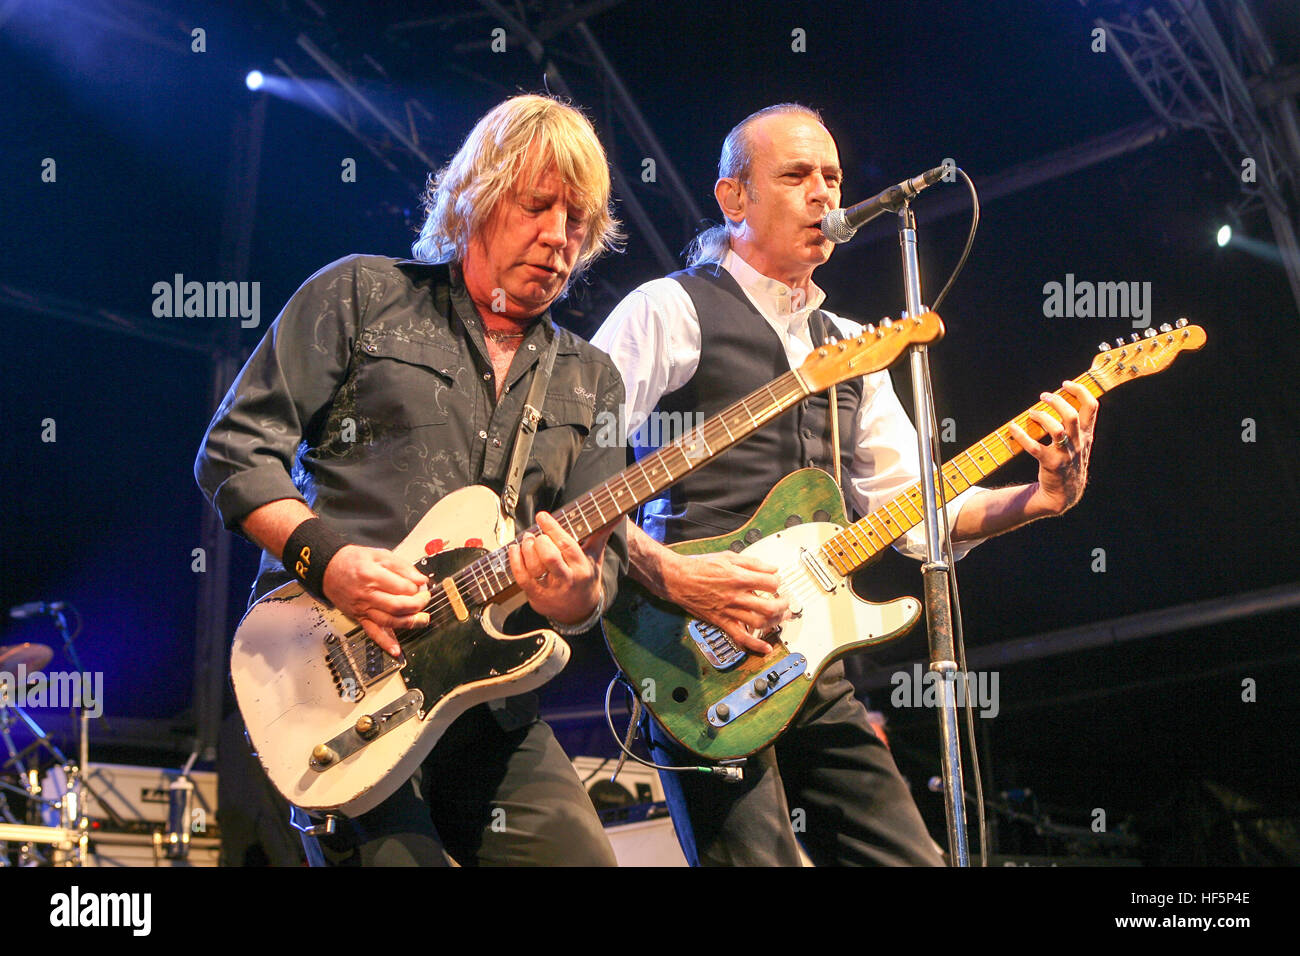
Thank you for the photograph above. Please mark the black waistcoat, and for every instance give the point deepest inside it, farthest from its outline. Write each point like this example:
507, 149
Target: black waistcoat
740, 352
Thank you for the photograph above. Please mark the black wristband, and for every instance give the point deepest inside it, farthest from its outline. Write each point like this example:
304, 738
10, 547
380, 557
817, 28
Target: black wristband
308, 552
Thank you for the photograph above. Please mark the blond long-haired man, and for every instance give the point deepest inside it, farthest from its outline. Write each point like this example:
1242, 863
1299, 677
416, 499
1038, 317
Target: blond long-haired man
385, 385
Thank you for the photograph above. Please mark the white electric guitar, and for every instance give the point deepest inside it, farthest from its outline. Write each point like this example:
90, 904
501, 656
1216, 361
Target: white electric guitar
340, 725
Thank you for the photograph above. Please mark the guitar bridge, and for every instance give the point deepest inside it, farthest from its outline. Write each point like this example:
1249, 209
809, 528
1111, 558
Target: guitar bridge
342, 670
718, 649
355, 661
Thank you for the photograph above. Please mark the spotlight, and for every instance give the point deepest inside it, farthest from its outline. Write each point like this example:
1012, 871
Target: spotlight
1224, 235
254, 80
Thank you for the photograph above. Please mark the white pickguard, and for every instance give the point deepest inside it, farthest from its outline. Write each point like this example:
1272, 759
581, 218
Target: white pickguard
290, 703
826, 622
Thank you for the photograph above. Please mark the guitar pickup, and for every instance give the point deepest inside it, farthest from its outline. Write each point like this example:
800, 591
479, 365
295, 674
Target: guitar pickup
809, 561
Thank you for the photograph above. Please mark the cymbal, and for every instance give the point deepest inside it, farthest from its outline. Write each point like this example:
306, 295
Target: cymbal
33, 656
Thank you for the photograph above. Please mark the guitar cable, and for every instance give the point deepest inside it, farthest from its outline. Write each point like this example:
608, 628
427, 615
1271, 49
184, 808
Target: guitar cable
958, 632
731, 771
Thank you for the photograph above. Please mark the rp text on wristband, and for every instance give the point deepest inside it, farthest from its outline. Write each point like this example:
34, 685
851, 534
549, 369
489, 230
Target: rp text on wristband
308, 552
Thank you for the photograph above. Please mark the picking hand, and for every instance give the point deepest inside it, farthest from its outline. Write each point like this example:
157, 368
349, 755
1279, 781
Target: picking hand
731, 591
378, 590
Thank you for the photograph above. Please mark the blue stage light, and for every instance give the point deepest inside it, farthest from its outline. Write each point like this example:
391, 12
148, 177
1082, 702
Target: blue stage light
1224, 235
254, 80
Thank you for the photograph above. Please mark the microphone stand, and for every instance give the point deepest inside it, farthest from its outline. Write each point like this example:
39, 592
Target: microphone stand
72, 810
935, 571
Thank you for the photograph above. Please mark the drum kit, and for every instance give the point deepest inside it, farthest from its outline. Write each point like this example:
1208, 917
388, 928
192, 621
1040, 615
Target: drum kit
51, 830
45, 797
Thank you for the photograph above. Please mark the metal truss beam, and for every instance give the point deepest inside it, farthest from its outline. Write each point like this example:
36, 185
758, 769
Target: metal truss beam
622, 185
1033, 173
1193, 78
1172, 620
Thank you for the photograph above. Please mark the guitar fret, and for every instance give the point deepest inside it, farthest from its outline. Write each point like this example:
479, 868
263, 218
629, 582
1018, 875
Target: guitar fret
645, 476
686, 460
699, 432
958, 461
857, 545
630, 490
901, 504
952, 491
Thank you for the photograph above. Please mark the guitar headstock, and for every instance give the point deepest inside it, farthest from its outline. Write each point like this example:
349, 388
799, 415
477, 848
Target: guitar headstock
1148, 354
875, 348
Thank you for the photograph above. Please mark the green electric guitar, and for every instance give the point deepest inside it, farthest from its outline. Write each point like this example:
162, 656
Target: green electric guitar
722, 702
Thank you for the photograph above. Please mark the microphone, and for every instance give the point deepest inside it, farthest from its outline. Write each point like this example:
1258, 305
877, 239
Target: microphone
35, 608
839, 225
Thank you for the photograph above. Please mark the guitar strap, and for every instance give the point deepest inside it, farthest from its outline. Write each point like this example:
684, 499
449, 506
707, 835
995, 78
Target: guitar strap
822, 334
523, 446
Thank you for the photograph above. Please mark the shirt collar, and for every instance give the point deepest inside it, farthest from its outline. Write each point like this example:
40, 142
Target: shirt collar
774, 300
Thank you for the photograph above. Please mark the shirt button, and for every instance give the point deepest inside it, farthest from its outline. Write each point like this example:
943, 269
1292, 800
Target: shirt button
370, 346
487, 376
532, 347
496, 443
482, 434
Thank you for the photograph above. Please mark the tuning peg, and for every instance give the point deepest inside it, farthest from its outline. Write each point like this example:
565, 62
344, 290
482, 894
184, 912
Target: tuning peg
1134, 337
1181, 323
1119, 342
1166, 327
1149, 334
870, 329
886, 323
1103, 347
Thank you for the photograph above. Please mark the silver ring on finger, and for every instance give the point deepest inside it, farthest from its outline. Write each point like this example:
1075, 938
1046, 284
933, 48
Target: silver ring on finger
541, 578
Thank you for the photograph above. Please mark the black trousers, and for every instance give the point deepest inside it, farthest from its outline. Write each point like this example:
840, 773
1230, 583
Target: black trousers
484, 797
828, 782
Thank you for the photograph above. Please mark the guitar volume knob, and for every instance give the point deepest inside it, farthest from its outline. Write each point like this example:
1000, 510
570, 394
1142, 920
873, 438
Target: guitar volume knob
723, 711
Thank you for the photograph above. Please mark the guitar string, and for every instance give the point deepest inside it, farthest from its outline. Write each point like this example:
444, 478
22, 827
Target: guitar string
852, 535
478, 571
491, 562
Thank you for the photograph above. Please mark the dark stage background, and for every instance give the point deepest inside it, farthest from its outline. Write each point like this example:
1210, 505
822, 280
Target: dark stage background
141, 127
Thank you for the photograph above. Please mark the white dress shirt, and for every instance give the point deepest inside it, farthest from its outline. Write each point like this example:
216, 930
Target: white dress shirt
653, 336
